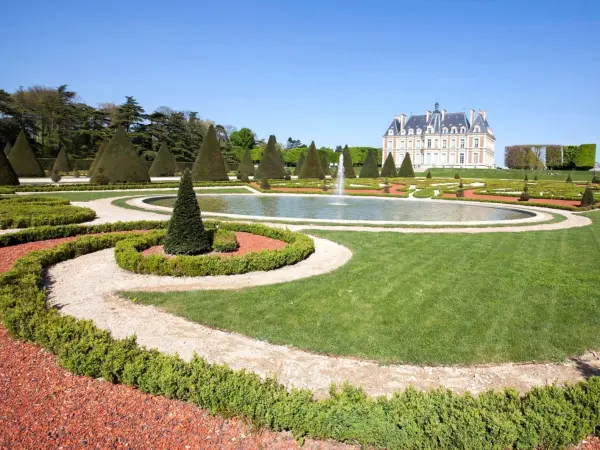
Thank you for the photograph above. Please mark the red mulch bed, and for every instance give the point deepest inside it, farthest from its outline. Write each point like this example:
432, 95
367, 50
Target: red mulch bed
393, 188
470, 193
248, 242
44, 406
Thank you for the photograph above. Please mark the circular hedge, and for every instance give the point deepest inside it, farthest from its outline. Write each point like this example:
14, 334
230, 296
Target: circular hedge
33, 211
128, 254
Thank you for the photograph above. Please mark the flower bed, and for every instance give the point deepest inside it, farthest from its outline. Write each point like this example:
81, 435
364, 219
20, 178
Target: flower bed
30, 211
129, 254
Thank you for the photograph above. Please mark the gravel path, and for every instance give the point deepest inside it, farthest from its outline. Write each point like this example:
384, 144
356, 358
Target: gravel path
85, 287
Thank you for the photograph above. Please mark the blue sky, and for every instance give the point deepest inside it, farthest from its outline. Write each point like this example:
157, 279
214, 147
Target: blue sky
330, 71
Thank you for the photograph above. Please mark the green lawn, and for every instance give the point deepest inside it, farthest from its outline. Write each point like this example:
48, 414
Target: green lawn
557, 175
427, 299
87, 196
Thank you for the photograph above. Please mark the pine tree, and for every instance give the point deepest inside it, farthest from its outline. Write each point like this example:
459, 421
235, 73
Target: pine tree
569, 179
164, 163
325, 164
588, 197
209, 164
8, 176
7, 148
246, 166
271, 164
428, 174
348, 164
62, 163
97, 158
120, 162
186, 234
369, 168
389, 167
299, 164
23, 160
312, 164
526, 178
406, 169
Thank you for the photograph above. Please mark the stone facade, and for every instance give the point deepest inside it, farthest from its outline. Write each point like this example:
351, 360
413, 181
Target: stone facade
441, 139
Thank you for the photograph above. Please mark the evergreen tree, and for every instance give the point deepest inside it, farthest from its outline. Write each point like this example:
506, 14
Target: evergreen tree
526, 178
120, 162
246, 166
569, 179
128, 115
595, 179
428, 174
164, 163
348, 164
325, 164
389, 167
62, 163
97, 158
369, 168
299, 164
23, 160
7, 148
209, 164
457, 176
588, 197
8, 176
406, 169
271, 164
186, 234
312, 164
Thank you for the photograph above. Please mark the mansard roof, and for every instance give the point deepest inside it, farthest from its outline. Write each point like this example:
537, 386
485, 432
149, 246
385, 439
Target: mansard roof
416, 122
395, 127
482, 123
455, 120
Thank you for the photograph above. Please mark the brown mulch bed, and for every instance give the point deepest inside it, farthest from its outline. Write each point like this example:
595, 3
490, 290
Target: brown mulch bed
276, 189
247, 242
470, 193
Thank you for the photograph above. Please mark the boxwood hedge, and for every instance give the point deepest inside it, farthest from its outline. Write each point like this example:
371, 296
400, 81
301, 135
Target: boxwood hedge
30, 211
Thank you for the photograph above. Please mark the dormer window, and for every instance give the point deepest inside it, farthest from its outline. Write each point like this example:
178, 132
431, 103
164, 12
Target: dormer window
410, 131
453, 130
463, 129
430, 129
418, 131
391, 132
476, 129
445, 130
403, 132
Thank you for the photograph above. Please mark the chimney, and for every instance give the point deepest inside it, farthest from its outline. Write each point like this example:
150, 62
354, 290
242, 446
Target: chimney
402, 121
471, 116
428, 114
443, 114
482, 112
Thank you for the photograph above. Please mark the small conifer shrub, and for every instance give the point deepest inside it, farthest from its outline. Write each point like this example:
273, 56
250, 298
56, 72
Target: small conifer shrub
386, 189
406, 168
389, 167
460, 185
457, 176
569, 179
428, 174
588, 197
287, 177
324, 187
55, 176
595, 179
311, 168
8, 176
460, 193
245, 178
264, 184
526, 178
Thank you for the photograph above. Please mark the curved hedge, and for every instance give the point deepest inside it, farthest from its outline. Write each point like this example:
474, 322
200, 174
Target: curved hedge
30, 211
128, 254
545, 417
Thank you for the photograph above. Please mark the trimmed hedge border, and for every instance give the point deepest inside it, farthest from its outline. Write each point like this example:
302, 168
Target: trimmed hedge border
112, 187
546, 417
31, 211
128, 254
505, 202
224, 241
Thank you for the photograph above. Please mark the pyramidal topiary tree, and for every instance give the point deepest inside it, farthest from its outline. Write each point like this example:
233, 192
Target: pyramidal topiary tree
164, 163
299, 164
7, 148
406, 169
588, 197
209, 164
325, 164
389, 167
8, 176
348, 163
97, 158
246, 166
312, 164
369, 168
120, 162
271, 164
23, 160
62, 163
186, 234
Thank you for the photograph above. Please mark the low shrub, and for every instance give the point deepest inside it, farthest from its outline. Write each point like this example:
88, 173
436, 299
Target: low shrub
30, 211
524, 197
224, 241
588, 198
111, 187
457, 176
569, 179
596, 179
428, 174
386, 189
460, 185
460, 193
324, 187
6, 190
526, 178
55, 176
264, 184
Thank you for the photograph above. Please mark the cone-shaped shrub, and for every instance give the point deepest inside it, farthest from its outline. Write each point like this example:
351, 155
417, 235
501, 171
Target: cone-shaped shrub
389, 167
23, 159
97, 158
186, 234
120, 162
264, 184
299, 164
271, 164
62, 163
595, 179
428, 174
325, 164
348, 164
535, 178
8, 176
164, 163
7, 148
406, 169
246, 166
457, 176
588, 197
569, 179
369, 168
526, 179
209, 164
312, 164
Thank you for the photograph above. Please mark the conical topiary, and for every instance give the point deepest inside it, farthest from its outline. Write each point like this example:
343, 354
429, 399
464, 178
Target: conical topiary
312, 164
23, 160
209, 164
569, 179
299, 164
389, 167
120, 162
62, 163
8, 176
325, 164
186, 234
369, 168
588, 197
97, 158
429, 174
526, 178
246, 166
164, 163
7, 148
271, 164
348, 164
406, 169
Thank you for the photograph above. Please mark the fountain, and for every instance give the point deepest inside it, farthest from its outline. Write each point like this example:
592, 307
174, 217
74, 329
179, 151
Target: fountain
339, 189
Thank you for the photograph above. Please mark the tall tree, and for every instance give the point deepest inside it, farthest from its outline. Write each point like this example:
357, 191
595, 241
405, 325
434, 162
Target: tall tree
128, 115
244, 138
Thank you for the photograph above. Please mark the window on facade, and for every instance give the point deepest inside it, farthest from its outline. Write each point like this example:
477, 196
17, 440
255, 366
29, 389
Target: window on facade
476, 129
453, 143
445, 130
462, 129
410, 131
476, 158
403, 132
418, 144
476, 143
462, 143
444, 143
462, 158
444, 158
410, 144
391, 132
430, 129
428, 143
401, 144
390, 144
418, 131
453, 130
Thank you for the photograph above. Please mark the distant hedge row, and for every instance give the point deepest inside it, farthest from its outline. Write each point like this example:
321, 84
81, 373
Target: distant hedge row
557, 157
